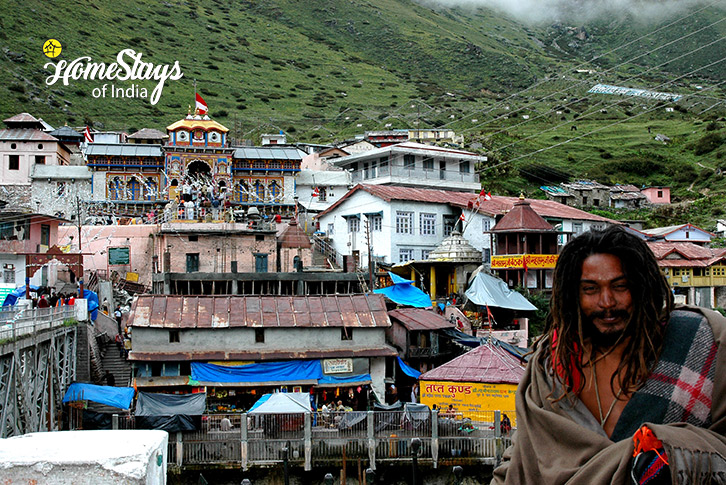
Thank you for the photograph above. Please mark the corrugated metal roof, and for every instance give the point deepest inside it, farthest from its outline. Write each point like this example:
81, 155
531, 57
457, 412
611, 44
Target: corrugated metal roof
268, 153
66, 132
664, 231
689, 251
164, 311
148, 134
22, 118
255, 355
487, 363
123, 150
419, 319
25, 134
323, 177
409, 148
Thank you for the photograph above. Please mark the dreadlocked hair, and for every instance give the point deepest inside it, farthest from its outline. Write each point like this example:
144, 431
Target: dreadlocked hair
564, 340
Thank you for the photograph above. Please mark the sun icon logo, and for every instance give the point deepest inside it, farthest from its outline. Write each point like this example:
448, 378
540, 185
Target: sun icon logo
52, 48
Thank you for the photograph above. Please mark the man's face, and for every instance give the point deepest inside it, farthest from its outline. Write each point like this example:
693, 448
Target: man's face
605, 298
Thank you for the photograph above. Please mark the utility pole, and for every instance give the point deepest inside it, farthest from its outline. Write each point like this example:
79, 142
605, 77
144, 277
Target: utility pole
370, 256
78, 221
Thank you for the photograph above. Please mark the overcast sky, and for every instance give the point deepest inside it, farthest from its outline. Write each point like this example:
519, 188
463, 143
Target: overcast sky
536, 11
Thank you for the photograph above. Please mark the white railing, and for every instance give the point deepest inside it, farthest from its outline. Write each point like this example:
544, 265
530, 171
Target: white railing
17, 321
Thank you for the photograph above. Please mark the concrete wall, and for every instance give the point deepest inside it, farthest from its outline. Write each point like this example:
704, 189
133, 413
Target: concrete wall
240, 339
287, 256
26, 152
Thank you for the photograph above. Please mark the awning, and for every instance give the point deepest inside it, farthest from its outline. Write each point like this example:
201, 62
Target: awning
333, 381
488, 290
404, 293
408, 370
118, 397
272, 373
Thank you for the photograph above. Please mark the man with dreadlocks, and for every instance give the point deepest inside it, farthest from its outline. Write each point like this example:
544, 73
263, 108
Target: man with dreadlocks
622, 386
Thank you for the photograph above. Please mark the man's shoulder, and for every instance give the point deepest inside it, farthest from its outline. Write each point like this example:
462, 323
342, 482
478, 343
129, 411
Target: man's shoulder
693, 316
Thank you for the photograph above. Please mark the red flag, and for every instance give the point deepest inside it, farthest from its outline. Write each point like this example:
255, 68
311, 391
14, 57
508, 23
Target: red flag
483, 193
201, 105
316, 192
488, 196
461, 217
87, 135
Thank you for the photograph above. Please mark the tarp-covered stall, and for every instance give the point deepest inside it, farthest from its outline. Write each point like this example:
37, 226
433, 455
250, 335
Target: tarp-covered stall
170, 412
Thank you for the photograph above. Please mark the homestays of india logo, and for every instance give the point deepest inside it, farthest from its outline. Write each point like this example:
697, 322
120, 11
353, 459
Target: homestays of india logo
128, 67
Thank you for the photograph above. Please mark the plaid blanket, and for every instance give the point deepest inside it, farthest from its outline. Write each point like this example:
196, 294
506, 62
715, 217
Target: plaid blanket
680, 388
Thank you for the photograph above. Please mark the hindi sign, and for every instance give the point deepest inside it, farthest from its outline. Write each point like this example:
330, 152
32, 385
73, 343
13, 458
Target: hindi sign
469, 396
337, 366
517, 261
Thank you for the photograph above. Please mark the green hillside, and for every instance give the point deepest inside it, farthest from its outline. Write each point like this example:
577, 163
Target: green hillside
326, 70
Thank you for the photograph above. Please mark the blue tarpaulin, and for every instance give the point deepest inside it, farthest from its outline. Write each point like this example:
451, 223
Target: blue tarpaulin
283, 372
17, 293
357, 379
90, 296
118, 397
404, 293
409, 371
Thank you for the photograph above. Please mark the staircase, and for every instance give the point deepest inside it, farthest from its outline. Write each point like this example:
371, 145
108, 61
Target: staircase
325, 253
117, 365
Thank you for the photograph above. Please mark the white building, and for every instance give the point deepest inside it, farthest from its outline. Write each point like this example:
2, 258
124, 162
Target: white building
408, 223
415, 165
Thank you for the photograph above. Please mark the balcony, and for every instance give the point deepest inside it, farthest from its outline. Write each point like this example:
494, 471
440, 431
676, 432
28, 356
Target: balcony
396, 174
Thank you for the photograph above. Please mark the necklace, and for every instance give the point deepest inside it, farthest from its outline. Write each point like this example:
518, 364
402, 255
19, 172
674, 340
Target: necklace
603, 420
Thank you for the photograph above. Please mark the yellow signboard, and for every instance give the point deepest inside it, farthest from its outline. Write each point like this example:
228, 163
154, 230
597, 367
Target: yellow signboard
472, 397
518, 261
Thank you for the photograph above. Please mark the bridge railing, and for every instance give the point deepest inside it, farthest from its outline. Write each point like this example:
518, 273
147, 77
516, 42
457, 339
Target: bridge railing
18, 321
259, 439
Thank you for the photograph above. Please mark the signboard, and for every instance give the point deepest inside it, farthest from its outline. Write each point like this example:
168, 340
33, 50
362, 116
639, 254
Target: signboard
467, 397
337, 366
118, 256
518, 261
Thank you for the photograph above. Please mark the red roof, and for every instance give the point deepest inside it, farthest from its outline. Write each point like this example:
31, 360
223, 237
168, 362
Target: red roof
419, 319
522, 218
25, 134
22, 118
294, 237
164, 311
685, 254
496, 206
487, 363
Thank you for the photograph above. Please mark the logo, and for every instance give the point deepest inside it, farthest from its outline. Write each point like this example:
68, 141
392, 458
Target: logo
52, 48
129, 66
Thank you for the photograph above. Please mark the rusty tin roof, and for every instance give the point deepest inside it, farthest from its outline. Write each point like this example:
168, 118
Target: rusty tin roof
419, 319
172, 311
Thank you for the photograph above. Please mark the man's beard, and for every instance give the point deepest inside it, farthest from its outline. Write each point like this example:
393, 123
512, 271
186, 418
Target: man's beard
605, 340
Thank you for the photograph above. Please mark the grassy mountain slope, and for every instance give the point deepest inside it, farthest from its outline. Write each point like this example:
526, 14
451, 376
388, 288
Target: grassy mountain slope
327, 69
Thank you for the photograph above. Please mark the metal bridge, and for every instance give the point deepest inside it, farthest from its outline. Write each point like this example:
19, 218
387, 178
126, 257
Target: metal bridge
37, 364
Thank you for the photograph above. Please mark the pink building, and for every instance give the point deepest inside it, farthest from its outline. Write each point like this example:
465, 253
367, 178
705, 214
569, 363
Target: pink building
657, 195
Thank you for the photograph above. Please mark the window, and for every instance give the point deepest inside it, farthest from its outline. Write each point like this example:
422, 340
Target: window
427, 224
428, 163
14, 162
584, 201
425, 253
486, 225
9, 273
173, 336
596, 202
259, 335
405, 255
577, 228
192, 262
193, 238
449, 222
464, 166
353, 224
331, 229
346, 333
45, 234
61, 189
660, 194
376, 223
409, 162
404, 222
322, 194
487, 256
40, 159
